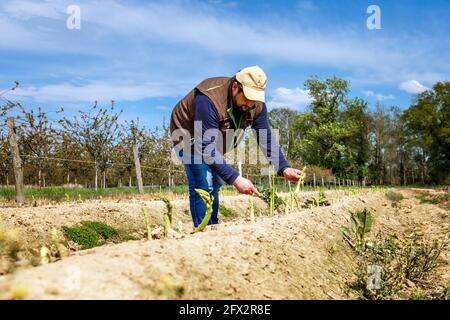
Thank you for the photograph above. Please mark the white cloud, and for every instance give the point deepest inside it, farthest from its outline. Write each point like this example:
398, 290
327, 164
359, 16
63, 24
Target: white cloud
291, 98
24, 10
139, 40
377, 96
413, 86
193, 25
96, 90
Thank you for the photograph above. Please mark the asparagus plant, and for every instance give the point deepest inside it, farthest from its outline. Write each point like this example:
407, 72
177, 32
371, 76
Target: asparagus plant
59, 248
300, 180
252, 209
167, 218
208, 200
147, 223
44, 254
272, 193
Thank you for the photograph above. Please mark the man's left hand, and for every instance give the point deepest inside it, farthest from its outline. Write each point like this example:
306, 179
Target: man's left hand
292, 174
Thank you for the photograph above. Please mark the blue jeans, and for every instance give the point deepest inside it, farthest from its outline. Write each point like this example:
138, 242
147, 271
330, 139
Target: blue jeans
202, 176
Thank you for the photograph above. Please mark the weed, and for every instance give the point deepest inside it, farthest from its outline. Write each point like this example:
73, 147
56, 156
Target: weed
395, 197
85, 237
90, 234
419, 295
321, 200
267, 197
443, 294
442, 200
101, 229
226, 212
403, 262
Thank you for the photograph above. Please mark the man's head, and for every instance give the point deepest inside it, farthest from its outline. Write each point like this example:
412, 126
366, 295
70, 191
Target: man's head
248, 87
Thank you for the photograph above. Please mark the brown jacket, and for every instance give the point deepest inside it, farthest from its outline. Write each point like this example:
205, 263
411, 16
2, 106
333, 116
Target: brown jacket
218, 90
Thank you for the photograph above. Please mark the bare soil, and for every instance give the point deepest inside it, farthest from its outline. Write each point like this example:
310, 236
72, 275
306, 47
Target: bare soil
277, 257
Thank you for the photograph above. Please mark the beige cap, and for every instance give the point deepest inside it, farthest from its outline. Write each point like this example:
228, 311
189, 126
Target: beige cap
253, 80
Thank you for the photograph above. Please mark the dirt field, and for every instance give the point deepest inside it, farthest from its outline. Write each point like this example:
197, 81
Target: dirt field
278, 257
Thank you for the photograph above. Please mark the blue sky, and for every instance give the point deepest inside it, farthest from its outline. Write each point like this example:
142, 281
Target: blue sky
146, 55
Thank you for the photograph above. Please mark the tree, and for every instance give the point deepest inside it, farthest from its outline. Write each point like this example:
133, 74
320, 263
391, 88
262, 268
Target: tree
38, 139
357, 120
334, 131
133, 134
380, 135
283, 119
96, 131
428, 121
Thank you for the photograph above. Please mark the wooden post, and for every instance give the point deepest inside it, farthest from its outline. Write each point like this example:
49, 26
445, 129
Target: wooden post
137, 165
17, 162
96, 177
314, 177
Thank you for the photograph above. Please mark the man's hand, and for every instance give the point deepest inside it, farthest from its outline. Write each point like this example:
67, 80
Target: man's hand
245, 186
292, 174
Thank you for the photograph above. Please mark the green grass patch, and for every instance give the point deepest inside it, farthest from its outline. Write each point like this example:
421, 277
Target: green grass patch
443, 200
60, 194
83, 236
101, 229
227, 212
395, 197
90, 234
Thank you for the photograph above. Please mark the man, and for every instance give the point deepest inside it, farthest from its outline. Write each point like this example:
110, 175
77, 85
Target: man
207, 123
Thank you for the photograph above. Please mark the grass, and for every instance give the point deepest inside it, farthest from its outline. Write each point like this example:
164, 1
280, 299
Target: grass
395, 197
61, 194
90, 234
441, 199
227, 212
402, 260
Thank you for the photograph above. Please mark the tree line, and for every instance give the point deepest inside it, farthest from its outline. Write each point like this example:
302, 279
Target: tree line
380, 146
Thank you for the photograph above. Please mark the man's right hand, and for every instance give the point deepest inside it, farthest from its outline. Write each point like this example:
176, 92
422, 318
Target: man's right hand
245, 186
